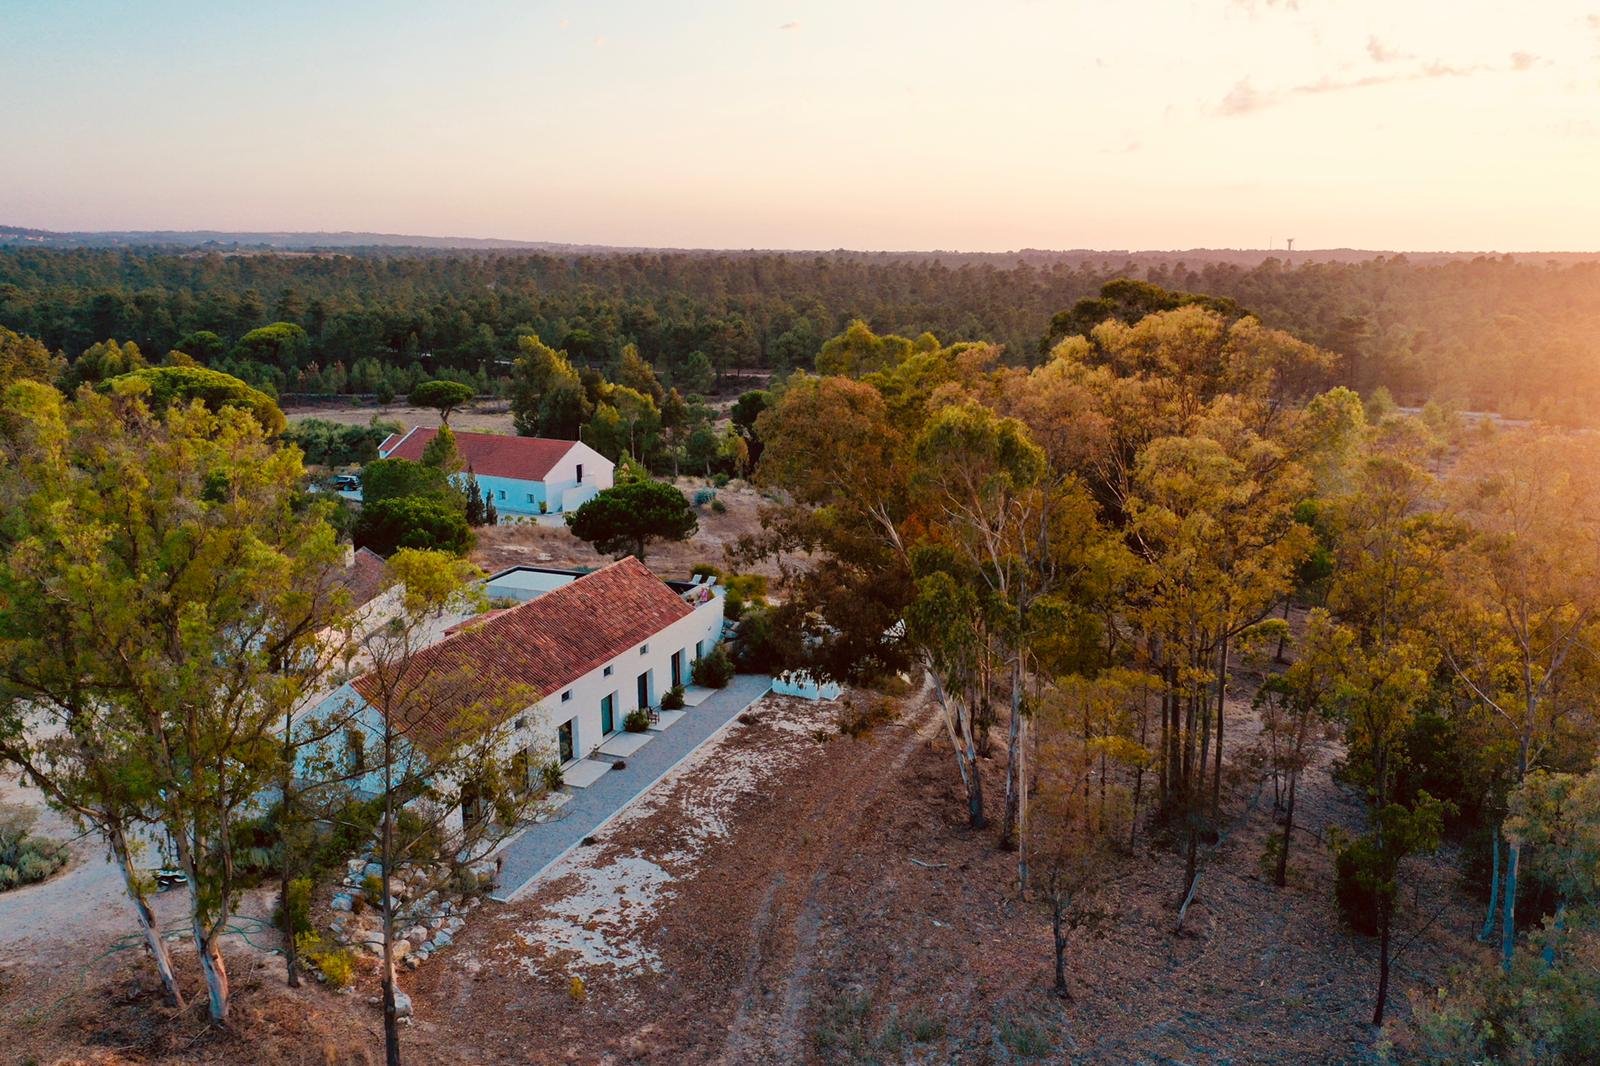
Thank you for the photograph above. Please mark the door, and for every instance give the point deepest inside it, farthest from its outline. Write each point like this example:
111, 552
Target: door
608, 715
566, 741
644, 689
677, 668
521, 771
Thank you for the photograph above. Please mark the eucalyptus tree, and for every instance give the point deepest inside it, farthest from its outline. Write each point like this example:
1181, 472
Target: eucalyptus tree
190, 577
1526, 585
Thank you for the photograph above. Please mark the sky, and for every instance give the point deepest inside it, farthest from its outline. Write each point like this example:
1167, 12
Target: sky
973, 125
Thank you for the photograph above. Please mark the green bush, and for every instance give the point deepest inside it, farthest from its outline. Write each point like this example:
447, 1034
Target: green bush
714, 670
758, 649
336, 444
413, 522
162, 386
337, 965
637, 721
1354, 892
718, 507
673, 700
553, 776
704, 496
743, 591
705, 570
294, 910
720, 480
26, 859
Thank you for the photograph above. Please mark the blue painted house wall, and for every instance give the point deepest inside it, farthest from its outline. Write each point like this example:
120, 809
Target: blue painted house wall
512, 496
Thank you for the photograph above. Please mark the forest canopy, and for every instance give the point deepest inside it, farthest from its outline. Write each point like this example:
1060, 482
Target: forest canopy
1513, 336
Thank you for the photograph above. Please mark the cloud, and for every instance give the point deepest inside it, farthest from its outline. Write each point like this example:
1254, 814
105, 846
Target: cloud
790, 26
1382, 53
1245, 99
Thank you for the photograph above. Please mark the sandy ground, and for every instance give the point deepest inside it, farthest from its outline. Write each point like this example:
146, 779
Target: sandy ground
532, 544
794, 895
489, 416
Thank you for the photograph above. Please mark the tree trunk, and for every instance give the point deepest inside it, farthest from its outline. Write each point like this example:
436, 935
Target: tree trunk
1189, 862
1282, 874
1383, 964
1222, 692
216, 973
1008, 825
1494, 888
147, 919
1058, 929
1508, 918
291, 950
391, 1020
1284, 636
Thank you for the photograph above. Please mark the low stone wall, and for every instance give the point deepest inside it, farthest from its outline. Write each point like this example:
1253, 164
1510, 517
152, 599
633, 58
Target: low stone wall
430, 906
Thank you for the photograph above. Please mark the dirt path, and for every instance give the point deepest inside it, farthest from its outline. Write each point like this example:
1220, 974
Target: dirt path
783, 938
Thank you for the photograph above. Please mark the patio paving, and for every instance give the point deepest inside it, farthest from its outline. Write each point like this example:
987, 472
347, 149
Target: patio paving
694, 695
526, 856
665, 720
585, 772
624, 744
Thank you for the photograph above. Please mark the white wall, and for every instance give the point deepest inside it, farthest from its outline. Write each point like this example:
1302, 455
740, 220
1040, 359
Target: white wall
701, 629
561, 478
536, 728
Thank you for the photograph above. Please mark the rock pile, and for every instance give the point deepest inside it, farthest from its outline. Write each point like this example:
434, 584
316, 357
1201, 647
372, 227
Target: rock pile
430, 904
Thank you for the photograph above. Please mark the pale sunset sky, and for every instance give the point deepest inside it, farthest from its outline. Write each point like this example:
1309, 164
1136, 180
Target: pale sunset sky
975, 125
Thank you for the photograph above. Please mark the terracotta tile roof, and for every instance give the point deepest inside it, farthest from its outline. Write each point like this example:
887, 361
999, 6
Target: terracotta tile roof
544, 644
364, 577
522, 458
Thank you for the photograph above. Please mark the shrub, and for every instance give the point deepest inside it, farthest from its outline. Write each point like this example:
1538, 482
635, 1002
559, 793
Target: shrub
372, 888
163, 386
758, 651
26, 859
337, 965
714, 670
704, 496
553, 777
413, 522
673, 700
1354, 892
720, 480
718, 507
857, 721
637, 721
294, 909
706, 570
743, 591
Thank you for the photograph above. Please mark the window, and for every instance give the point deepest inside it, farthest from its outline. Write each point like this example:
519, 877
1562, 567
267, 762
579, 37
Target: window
500, 494
530, 498
580, 473
567, 695
644, 648
606, 672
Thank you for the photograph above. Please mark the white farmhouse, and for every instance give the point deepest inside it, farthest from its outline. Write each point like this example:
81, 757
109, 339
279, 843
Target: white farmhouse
594, 648
522, 475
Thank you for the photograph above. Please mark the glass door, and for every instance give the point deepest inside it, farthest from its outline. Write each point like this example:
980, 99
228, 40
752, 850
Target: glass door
608, 714
566, 741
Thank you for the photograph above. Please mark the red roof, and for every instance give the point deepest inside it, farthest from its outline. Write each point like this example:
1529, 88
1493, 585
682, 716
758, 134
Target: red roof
521, 458
364, 577
544, 644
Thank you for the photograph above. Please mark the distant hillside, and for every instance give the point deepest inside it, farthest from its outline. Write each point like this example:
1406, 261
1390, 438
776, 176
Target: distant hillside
355, 241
